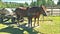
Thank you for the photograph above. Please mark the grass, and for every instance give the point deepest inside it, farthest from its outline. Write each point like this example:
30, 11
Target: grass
46, 27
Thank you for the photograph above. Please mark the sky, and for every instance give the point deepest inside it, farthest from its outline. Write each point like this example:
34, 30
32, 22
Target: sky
19, 1
55, 1
23, 1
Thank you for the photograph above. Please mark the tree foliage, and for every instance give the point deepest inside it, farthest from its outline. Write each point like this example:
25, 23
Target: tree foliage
33, 4
50, 2
58, 2
0, 0
43, 2
26, 4
36, 3
10, 4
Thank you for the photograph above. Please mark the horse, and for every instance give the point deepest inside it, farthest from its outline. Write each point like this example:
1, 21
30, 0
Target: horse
20, 13
33, 12
42, 11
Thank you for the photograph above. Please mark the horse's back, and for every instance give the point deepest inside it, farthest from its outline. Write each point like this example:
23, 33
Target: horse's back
21, 11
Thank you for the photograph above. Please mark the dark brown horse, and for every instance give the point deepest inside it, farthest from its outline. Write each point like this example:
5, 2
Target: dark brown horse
42, 10
33, 12
20, 13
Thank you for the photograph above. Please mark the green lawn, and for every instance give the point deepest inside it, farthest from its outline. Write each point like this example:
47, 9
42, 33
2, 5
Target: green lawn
46, 27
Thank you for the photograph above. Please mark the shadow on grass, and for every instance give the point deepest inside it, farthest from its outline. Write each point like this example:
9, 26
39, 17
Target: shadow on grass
12, 30
18, 31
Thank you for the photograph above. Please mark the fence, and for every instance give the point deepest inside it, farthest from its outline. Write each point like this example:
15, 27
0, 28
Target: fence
53, 11
50, 11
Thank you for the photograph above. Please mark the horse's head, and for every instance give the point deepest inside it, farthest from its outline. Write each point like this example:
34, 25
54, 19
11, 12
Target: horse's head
43, 9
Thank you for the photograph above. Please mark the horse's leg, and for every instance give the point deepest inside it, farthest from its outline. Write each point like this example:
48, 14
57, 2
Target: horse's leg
34, 21
18, 23
38, 21
18, 20
13, 19
29, 21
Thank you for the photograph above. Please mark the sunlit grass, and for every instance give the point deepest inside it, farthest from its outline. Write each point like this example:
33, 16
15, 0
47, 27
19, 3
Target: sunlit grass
46, 27
4, 33
2, 26
51, 28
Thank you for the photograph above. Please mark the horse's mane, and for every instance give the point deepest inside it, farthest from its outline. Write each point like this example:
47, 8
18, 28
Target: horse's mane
44, 8
23, 8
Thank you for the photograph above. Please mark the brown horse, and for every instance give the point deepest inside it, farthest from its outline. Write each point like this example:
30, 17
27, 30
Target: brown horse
37, 15
20, 13
33, 12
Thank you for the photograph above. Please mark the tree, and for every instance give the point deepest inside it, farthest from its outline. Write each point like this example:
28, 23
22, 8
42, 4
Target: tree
2, 5
58, 2
38, 2
33, 4
41, 2
45, 2
0, 0
26, 4
50, 3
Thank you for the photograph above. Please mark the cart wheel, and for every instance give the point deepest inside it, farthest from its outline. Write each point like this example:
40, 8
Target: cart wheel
1, 20
13, 19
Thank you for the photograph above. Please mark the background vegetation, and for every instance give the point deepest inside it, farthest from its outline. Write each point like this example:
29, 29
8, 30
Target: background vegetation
37, 3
